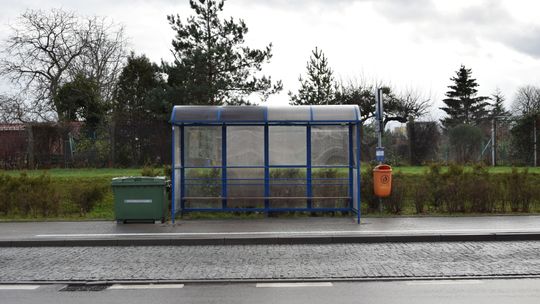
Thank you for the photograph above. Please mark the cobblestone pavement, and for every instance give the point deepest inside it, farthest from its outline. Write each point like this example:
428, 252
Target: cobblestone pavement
271, 261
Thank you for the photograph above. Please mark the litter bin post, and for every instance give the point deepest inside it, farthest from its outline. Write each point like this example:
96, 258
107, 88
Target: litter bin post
382, 180
139, 198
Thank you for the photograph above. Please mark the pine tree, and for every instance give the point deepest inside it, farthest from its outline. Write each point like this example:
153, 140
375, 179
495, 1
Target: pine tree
212, 65
497, 105
463, 106
318, 87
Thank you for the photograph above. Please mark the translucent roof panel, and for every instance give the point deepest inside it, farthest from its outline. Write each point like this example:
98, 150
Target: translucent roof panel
243, 113
335, 113
291, 113
195, 113
263, 114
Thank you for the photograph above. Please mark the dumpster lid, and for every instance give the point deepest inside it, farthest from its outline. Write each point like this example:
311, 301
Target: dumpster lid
138, 180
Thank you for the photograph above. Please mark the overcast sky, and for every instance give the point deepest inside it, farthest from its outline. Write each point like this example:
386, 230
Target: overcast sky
411, 44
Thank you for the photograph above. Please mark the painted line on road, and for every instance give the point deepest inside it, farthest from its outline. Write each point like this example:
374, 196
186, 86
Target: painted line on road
450, 282
332, 232
145, 286
19, 287
287, 285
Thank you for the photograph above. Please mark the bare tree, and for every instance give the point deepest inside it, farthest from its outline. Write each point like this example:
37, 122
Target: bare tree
49, 48
104, 57
405, 104
527, 100
39, 52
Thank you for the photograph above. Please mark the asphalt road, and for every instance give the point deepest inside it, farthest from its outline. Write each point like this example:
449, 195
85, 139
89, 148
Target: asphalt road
417, 292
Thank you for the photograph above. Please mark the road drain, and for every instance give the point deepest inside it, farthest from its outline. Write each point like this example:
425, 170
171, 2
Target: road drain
85, 287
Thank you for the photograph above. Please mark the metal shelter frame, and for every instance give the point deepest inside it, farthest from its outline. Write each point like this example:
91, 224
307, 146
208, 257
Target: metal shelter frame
186, 118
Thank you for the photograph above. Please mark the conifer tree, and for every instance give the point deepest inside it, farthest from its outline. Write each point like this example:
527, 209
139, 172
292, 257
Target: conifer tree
318, 86
463, 106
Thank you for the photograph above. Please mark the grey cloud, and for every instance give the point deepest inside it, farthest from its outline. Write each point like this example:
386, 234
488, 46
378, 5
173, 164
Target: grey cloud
527, 42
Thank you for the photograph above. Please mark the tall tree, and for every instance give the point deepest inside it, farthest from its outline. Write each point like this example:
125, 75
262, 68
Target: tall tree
497, 106
463, 106
527, 100
79, 100
212, 65
47, 49
318, 87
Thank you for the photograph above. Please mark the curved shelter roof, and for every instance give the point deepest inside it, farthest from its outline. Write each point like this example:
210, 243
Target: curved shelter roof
327, 114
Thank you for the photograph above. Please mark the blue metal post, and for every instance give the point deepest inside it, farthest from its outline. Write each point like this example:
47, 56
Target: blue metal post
173, 173
351, 165
358, 194
308, 167
224, 166
182, 167
266, 168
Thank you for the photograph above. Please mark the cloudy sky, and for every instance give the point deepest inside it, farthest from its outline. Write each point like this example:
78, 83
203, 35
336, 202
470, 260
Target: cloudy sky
415, 44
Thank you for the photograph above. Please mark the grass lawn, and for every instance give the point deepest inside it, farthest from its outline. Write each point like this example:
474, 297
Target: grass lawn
116, 172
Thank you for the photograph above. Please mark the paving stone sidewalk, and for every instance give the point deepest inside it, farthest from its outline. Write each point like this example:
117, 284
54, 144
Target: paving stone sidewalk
270, 261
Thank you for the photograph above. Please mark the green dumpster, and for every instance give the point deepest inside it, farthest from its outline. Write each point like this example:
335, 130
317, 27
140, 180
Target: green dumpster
139, 198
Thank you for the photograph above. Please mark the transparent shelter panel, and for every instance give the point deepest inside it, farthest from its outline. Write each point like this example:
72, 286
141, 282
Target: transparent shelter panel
287, 145
330, 145
289, 187
243, 113
212, 203
330, 203
202, 146
245, 187
202, 182
288, 113
195, 113
335, 113
330, 195
245, 146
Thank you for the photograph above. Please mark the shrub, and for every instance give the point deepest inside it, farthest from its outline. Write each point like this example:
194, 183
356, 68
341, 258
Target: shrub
455, 189
86, 195
366, 188
395, 201
149, 171
421, 194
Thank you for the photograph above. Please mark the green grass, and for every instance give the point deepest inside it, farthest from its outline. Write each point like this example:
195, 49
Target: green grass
114, 172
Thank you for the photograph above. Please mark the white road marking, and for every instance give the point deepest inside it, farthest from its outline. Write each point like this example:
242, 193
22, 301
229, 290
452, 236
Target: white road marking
332, 232
19, 287
146, 286
450, 282
303, 284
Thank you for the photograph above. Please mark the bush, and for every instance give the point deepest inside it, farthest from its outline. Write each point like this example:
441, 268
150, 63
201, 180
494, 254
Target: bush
85, 196
396, 200
28, 196
149, 171
420, 194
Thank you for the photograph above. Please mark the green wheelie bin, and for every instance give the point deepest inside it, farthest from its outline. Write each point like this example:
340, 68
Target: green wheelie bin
139, 198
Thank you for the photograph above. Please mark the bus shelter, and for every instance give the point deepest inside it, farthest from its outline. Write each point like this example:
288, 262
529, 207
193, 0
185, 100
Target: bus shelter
266, 159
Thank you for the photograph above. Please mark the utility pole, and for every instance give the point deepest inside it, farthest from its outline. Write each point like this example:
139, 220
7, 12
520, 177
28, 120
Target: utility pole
535, 141
379, 151
493, 144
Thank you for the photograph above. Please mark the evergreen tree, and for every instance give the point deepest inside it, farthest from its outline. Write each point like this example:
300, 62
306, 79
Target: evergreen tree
318, 87
497, 106
212, 65
79, 100
135, 89
463, 106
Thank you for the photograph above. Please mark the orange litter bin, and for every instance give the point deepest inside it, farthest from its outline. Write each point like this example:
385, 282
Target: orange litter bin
382, 180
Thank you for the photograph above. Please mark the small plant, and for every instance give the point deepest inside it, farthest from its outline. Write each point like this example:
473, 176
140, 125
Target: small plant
395, 201
149, 171
421, 194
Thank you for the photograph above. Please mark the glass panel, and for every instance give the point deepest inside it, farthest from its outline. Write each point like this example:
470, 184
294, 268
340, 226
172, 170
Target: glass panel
330, 203
291, 113
243, 113
335, 113
288, 182
203, 203
287, 145
203, 146
248, 183
203, 183
329, 145
245, 146
195, 113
